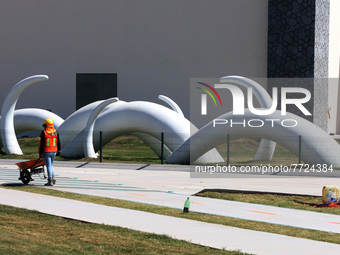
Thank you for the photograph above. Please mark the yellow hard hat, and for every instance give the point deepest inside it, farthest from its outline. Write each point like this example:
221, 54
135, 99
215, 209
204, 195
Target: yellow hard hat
48, 121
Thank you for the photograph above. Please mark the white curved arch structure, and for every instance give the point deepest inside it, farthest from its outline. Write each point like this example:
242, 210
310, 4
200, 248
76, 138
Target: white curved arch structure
8, 136
140, 117
89, 151
266, 148
148, 120
31, 119
74, 123
172, 104
144, 117
151, 141
317, 146
77, 121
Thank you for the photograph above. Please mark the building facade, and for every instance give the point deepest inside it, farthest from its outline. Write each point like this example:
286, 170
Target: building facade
155, 47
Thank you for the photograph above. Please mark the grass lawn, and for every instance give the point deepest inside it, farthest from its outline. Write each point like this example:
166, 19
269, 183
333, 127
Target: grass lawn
130, 149
123, 149
243, 150
29, 232
246, 224
287, 201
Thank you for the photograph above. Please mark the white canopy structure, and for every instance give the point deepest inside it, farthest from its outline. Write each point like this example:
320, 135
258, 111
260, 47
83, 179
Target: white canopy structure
8, 136
149, 120
141, 118
266, 148
318, 146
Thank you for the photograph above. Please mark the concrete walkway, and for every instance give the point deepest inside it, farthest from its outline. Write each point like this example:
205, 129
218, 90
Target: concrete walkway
171, 189
170, 186
234, 209
208, 234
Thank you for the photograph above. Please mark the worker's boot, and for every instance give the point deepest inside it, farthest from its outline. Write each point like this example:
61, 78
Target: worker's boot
49, 183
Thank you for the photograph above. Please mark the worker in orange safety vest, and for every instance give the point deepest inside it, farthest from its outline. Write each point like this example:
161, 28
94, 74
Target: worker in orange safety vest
49, 147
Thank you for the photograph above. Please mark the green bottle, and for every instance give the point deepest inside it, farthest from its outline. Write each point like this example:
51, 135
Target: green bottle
186, 206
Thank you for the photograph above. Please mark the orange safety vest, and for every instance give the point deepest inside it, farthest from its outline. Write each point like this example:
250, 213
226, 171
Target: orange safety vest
51, 142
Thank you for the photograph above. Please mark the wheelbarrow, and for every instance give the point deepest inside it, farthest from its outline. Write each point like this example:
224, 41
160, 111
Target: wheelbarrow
28, 168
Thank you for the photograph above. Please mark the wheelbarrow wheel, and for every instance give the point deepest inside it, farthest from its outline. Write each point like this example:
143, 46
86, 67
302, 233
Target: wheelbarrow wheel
25, 176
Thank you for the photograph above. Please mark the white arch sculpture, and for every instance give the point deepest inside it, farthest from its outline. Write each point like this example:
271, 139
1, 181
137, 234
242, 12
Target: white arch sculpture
140, 117
77, 121
266, 148
74, 123
8, 136
88, 130
317, 146
31, 119
151, 141
172, 104
149, 120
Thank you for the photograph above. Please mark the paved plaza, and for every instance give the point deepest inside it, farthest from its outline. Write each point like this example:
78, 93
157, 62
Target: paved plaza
169, 186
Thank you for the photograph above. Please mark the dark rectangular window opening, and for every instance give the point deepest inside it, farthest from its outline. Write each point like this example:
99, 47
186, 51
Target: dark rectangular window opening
93, 87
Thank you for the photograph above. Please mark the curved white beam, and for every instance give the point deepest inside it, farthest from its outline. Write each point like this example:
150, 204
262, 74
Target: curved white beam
89, 151
31, 119
259, 92
71, 127
211, 156
317, 146
154, 143
140, 117
77, 121
266, 148
8, 136
172, 104
144, 117
74, 123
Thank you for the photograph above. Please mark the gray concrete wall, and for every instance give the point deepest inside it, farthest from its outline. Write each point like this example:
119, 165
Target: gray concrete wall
155, 46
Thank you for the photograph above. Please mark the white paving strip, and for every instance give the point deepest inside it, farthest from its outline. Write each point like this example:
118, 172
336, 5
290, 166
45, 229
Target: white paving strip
208, 234
170, 186
240, 210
